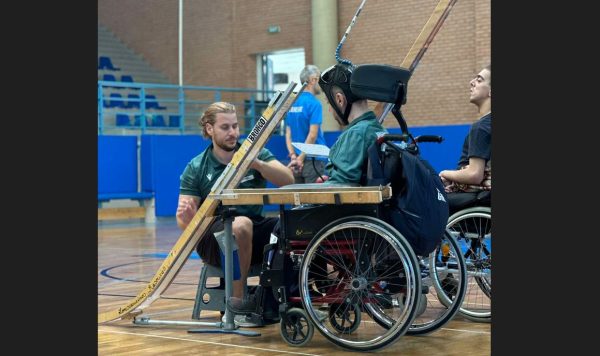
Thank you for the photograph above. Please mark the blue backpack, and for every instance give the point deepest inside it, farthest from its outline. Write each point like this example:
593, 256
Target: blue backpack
419, 205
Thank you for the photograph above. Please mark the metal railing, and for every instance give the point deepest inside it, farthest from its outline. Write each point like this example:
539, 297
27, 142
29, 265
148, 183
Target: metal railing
125, 108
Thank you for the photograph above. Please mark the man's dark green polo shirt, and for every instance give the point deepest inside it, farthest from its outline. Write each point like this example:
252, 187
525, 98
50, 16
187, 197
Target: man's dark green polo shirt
202, 172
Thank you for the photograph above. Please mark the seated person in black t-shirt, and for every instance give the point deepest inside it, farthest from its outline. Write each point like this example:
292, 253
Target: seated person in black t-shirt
474, 173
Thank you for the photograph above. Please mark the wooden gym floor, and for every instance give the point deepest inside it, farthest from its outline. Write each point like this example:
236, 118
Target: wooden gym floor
129, 254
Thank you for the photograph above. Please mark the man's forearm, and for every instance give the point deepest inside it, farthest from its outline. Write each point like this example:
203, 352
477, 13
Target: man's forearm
290, 148
463, 176
288, 142
310, 138
275, 173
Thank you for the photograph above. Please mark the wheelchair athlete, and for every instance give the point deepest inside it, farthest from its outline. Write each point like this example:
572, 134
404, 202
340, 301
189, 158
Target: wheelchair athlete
348, 156
469, 197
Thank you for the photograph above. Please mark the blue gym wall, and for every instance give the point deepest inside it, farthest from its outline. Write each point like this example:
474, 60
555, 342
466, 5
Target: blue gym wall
443, 155
117, 164
164, 157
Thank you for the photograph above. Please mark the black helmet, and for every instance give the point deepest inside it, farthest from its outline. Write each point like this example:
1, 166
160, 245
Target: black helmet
338, 75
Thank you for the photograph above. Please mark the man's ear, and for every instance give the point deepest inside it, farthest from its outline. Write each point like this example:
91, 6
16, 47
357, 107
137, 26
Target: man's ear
340, 100
209, 129
490, 93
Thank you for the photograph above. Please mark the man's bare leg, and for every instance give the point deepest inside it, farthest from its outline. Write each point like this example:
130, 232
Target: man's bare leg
242, 230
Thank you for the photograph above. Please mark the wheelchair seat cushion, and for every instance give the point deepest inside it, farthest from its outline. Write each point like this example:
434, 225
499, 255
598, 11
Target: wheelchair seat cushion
462, 200
484, 198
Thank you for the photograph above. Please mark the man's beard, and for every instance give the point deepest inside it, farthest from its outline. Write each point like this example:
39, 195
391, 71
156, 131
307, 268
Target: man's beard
224, 147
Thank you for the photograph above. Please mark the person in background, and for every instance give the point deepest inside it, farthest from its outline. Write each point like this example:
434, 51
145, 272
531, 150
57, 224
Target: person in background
303, 124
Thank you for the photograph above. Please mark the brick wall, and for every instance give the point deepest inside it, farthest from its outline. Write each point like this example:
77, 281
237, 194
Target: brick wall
221, 40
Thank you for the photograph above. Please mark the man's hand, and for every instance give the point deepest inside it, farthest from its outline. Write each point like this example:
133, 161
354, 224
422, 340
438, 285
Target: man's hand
448, 185
296, 165
186, 209
444, 180
322, 179
450, 188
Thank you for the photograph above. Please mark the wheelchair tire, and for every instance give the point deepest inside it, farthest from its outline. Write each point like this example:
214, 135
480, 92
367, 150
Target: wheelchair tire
363, 255
443, 302
472, 229
295, 328
432, 312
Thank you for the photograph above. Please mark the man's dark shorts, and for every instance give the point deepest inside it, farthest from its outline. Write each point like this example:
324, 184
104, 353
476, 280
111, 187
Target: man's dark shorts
208, 248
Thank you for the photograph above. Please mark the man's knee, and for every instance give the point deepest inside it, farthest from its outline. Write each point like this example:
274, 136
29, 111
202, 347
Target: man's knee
242, 230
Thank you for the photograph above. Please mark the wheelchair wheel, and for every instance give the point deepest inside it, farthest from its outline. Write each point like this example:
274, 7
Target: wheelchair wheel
345, 317
295, 328
436, 306
444, 286
472, 229
361, 261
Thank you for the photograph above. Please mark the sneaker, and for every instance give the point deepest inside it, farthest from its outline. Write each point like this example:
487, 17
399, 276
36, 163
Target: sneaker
241, 321
242, 306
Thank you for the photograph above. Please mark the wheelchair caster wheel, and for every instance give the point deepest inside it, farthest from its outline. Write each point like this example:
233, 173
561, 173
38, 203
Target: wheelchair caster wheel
345, 317
295, 328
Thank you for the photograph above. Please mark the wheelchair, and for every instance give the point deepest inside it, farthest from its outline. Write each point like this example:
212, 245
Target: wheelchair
471, 227
343, 270
353, 277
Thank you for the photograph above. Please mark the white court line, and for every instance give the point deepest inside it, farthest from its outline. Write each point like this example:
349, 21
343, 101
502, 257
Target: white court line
460, 330
468, 331
208, 342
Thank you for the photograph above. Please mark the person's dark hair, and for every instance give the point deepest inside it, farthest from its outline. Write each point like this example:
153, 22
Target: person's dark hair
489, 68
335, 79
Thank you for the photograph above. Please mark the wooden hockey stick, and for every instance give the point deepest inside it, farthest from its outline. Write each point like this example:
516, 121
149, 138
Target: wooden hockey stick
229, 179
419, 47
